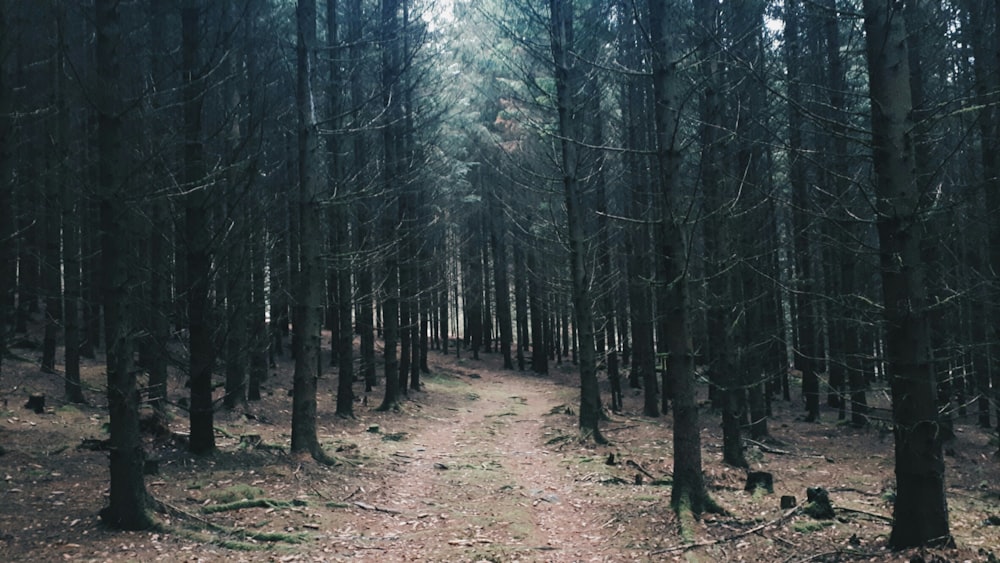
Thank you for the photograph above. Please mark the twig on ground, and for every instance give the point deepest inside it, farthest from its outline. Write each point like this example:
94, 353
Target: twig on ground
866, 513
684, 547
767, 449
852, 552
374, 508
639, 468
621, 428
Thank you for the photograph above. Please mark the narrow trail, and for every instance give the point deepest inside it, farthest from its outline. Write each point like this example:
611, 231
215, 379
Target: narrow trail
478, 482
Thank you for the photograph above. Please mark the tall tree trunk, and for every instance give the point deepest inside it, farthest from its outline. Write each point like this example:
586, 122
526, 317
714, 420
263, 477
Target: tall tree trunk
308, 304
8, 262
806, 352
520, 304
392, 210
279, 259
689, 495
568, 83
236, 278
443, 305
498, 243
721, 305
199, 260
536, 305
920, 515
364, 321
70, 202
128, 500
340, 217
159, 305
51, 213
93, 280
639, 256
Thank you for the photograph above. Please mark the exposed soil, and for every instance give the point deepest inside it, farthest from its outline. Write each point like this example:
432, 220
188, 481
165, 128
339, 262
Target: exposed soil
480, 465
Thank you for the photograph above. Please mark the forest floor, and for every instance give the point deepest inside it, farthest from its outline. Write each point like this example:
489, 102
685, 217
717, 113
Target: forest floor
480, 465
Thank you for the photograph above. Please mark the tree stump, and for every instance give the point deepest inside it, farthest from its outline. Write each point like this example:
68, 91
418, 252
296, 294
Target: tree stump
818, 503
759, 479
36, 402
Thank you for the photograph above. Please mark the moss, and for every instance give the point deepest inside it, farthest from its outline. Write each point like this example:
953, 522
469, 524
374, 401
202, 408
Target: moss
235, 545
244, 503
685, 518
235, 493
278, 537
809, 526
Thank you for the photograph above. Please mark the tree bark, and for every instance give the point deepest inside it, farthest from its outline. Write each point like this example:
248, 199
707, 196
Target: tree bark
498, 243
8, 253
69, 202
340, 216
568, 83
128, 500
308, 299
689, 493
391, 212
806, 351
199, 260
920, 515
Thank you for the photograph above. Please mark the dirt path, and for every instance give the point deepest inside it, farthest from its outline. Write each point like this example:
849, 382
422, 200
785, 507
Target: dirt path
482, 465
478, 482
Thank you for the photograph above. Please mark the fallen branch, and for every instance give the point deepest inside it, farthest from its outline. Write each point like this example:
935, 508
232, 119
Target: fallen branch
249, 503
372, 507
754, 530
866, 513
854, 490
621, 428
854, 553
639, 468
767, 449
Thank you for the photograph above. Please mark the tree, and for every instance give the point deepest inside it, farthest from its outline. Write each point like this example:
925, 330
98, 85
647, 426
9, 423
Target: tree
806, 349
634, 100
7, 240
308, 298
197, 234
722, 313
340, 217
569, 81
689, 495
920, 514
70, 205
128, 501
235, 278
392, 211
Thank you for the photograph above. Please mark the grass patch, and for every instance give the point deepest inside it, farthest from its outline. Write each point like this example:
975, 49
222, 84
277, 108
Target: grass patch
235, 493
810, 526
557, 440
444, 380
250, 503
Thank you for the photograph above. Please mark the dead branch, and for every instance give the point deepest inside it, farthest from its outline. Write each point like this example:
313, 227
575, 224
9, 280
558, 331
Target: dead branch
866, 513
684, 547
